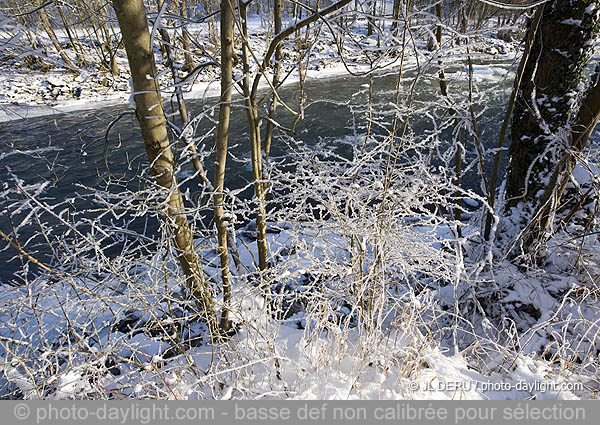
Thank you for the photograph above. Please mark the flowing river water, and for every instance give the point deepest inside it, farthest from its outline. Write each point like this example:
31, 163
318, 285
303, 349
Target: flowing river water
68, 150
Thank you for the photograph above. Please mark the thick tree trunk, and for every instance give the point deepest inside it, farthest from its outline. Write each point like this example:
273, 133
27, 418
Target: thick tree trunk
546, 101
131, 15
587, 119
549, 121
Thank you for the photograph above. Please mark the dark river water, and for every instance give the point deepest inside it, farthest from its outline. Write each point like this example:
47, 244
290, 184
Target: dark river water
68, 150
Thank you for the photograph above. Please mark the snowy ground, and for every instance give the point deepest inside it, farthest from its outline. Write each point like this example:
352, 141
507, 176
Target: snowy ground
108, 341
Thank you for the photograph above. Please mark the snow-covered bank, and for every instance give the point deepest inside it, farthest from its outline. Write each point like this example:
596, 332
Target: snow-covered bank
27, 92
25, 103
443, 322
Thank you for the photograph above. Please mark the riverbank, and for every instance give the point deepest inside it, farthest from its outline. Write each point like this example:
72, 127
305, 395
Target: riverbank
28, 89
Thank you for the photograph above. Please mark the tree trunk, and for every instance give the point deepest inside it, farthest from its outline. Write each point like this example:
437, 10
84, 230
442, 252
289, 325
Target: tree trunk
546, 100
131, 15
185, 39
508, 114
52, 36
396, 9
438, 37
222, 138
547, 121
255, 148
87, 21
371, 10
72, 38
587, 118
276, 71
112, 64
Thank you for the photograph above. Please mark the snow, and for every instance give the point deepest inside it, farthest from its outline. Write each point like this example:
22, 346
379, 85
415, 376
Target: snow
473, 203
400, 364
590, 9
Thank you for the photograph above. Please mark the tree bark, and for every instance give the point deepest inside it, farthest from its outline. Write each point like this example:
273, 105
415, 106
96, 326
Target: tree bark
587, 119
549, 122
255, 147
276, 71
112, 64
508, 114
546, 99
131, 15
72, 38
252, 112
220, 162
185, 39
438, 38
396, 9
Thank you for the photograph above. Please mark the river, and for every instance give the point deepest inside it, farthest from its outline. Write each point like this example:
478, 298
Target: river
68, 150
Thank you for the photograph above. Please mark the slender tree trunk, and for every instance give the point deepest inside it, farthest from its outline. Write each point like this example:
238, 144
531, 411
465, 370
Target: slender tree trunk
88, 21
74, 42
52, 36
131, 15
438, 36
508, 113
183, 114
371, 25
166, 49
185, 39
222, 139
112, 54
256, 148
251, 108
396, 10
276, 72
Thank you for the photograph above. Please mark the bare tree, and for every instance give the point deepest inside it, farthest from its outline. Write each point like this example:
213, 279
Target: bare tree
276, 72
52, 35
185, 38
221, 219
131, 15
252, 105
